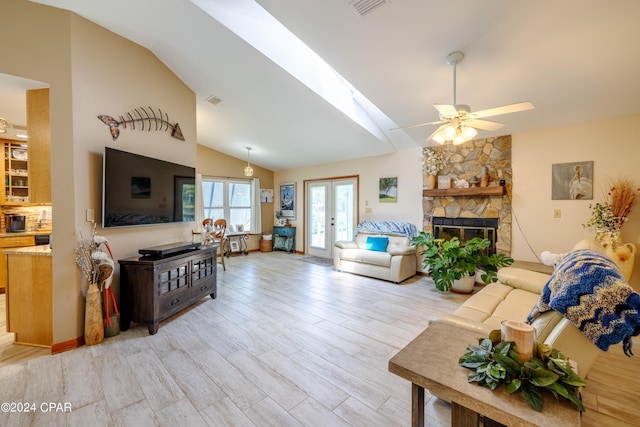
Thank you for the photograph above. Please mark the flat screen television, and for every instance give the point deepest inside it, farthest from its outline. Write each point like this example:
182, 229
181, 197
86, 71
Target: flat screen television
140, 190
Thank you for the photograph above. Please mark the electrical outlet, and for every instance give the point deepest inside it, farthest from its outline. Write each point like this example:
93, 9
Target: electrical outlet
90, 215
557, 213
367, 210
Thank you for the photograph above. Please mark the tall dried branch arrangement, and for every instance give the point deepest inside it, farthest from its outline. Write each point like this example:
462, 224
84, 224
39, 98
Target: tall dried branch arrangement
84, 256
623, 195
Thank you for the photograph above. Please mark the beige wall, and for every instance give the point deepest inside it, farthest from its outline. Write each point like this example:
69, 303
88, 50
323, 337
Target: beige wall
213, 163
91, 71
613, 145
405, 164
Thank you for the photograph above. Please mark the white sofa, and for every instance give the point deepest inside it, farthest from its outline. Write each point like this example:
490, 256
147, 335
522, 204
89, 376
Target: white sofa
395, 264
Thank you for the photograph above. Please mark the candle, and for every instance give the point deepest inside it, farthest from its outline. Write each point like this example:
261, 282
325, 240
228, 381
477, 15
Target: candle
522, 334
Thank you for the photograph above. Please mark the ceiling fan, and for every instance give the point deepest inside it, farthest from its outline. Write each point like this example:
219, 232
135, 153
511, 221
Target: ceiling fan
458, 123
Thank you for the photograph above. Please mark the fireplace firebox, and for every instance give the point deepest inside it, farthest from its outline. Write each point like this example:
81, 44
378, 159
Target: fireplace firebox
466, 229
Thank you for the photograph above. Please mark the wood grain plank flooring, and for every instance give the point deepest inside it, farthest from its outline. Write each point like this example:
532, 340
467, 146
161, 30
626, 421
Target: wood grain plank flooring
286, 343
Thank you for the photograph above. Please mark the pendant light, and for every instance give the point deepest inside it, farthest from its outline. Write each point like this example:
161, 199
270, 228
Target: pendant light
3, 125
248, 170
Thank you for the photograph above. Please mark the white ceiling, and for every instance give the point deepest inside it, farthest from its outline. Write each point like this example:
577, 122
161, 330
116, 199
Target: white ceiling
576, 60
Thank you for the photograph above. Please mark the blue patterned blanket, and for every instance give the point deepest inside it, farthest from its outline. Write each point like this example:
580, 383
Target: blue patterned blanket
396, 227
588, 289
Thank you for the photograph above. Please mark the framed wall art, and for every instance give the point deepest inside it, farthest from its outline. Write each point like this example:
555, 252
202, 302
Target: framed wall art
572, 181
266, 195
288, 200
388, 190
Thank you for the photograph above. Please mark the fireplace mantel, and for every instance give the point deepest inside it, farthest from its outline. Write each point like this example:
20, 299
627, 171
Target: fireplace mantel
464, 192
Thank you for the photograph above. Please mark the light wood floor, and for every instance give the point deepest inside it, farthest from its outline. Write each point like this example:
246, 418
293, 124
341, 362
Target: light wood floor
286, 343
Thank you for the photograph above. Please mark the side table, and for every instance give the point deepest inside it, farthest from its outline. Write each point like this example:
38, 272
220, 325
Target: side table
431, 361
235, 243
284, 239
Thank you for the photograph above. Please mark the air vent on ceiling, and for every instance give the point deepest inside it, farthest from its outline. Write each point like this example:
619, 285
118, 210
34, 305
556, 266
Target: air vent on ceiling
365, 6
214, 100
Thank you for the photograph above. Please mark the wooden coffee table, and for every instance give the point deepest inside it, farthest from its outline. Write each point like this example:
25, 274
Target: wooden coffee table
431, 361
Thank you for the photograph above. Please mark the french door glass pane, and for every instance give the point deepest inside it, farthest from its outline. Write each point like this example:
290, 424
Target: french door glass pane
317, 220
344, 211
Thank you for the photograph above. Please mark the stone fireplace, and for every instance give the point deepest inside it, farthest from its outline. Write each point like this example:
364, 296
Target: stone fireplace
476, 211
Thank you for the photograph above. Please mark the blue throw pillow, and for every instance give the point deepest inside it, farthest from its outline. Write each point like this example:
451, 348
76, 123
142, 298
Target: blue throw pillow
376, 244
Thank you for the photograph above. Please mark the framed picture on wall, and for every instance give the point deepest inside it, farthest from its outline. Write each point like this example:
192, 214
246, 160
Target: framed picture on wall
266, 195
572, 181
288, 200
388, 190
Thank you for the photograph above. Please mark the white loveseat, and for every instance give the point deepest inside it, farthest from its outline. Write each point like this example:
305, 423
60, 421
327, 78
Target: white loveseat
395, 264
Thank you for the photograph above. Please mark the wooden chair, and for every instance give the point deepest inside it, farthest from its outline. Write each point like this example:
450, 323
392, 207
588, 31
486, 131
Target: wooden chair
218, 235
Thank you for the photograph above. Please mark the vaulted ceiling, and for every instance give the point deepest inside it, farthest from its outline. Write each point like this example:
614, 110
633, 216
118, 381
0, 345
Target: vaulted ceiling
576, 60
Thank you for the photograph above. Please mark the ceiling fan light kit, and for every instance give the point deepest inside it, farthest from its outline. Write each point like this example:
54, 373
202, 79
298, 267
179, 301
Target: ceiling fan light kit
457, 135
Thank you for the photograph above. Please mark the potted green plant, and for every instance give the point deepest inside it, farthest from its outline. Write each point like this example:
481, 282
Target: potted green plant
449, 261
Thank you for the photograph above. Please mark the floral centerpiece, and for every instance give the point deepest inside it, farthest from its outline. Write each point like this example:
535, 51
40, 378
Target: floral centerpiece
434, 160
608, 217
494, 362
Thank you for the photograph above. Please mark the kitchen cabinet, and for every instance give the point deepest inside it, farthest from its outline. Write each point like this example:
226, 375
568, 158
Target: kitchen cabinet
16, 171
11, 242
39, 145
29, 295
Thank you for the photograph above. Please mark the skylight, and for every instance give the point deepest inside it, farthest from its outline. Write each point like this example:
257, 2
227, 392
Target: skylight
256, 26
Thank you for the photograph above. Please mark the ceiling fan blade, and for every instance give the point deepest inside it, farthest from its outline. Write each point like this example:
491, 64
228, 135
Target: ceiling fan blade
483, 124
446, 110
505, 109
420, 124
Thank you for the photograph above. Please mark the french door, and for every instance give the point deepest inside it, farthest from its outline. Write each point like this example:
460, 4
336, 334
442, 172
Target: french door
331, 214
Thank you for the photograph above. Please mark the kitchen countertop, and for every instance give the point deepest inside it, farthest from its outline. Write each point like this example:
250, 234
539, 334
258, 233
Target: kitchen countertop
25, 233
40, 250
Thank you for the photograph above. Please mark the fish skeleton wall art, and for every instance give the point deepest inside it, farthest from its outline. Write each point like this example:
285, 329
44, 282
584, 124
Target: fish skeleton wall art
146, 119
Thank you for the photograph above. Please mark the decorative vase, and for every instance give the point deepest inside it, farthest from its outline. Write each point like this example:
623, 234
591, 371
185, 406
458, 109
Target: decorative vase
432, 182
464, 285
93, 326
623, 254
